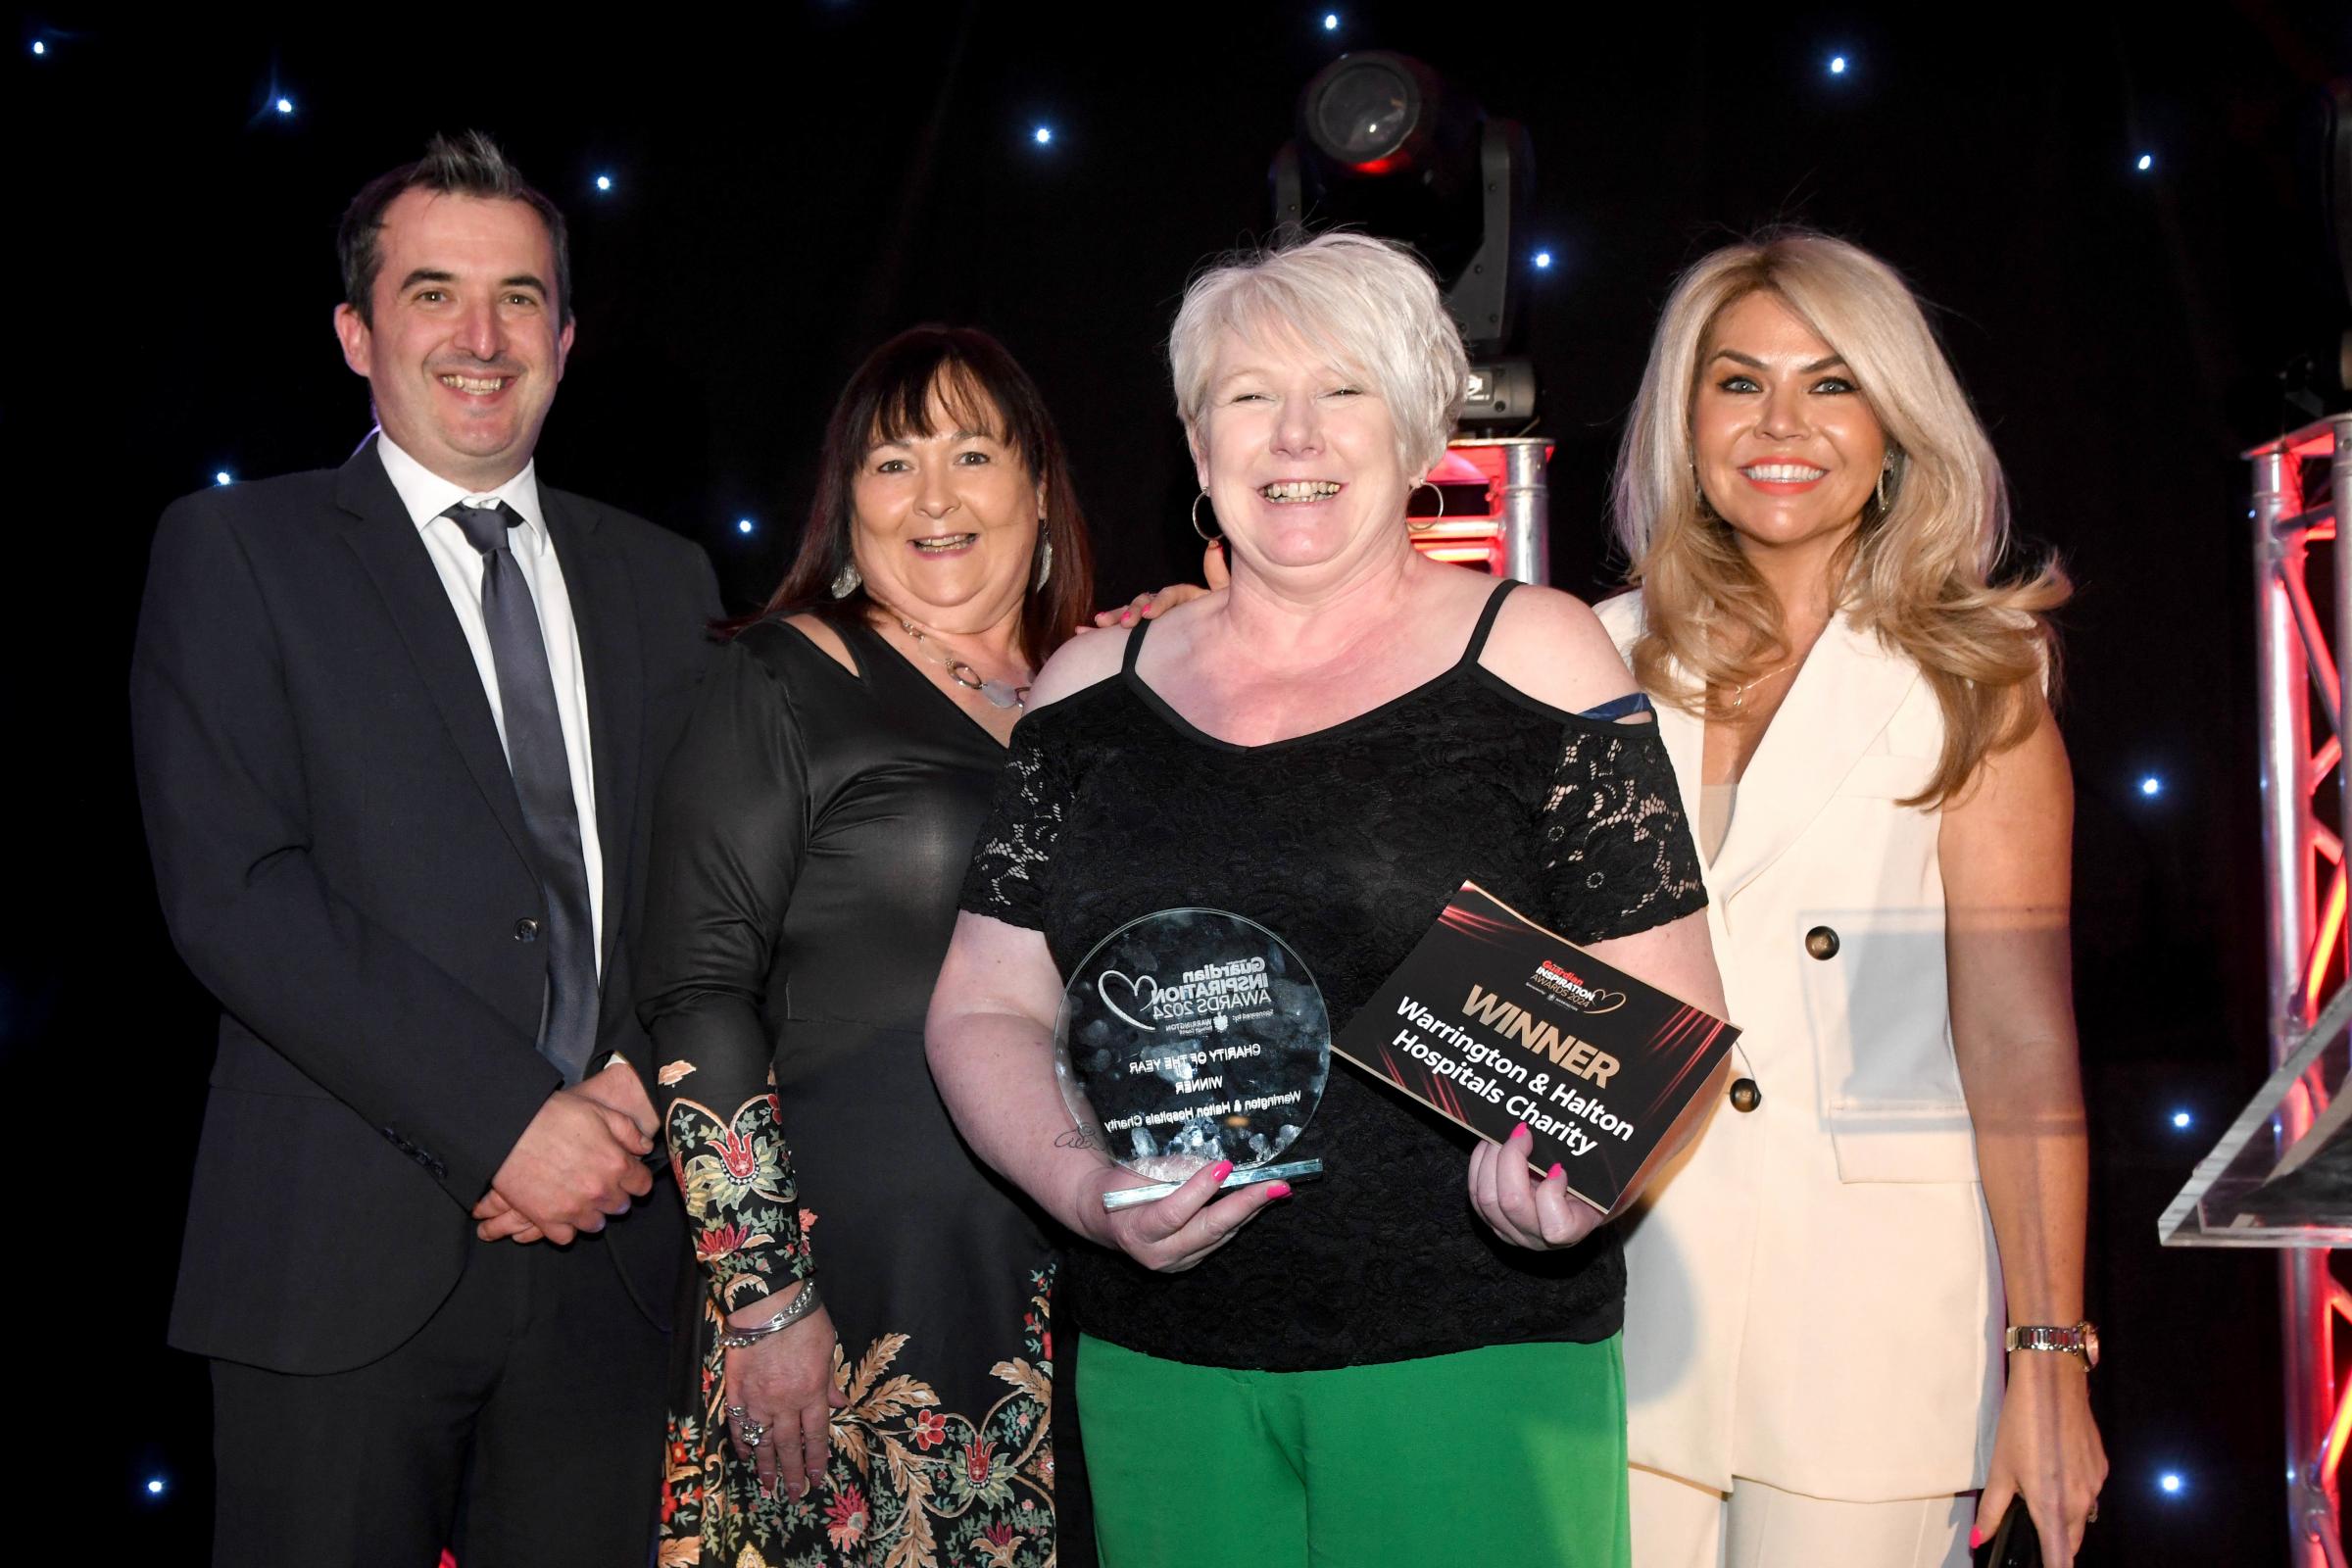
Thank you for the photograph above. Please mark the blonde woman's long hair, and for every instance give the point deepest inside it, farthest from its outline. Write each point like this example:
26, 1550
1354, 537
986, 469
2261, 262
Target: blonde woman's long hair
1918, 572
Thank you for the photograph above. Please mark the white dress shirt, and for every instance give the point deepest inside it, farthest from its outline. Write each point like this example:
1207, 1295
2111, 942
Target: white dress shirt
427, 495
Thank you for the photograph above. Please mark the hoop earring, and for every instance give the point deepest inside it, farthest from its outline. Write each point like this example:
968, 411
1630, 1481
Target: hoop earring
1423, 525
1207, 537
848, 581
1045, 555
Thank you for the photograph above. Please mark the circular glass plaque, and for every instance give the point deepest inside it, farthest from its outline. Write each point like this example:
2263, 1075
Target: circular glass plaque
1188, 1037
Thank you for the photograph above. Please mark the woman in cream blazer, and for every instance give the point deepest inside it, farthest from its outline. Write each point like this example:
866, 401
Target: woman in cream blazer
1821, 1285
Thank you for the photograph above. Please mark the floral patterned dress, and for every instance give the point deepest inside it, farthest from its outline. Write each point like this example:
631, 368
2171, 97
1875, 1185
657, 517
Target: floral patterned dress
810, 837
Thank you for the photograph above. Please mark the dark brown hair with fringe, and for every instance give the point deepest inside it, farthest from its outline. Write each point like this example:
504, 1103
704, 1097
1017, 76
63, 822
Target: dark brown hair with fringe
982, 388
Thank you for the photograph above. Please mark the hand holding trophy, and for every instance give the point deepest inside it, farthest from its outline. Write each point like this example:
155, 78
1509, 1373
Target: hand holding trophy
1188, 1038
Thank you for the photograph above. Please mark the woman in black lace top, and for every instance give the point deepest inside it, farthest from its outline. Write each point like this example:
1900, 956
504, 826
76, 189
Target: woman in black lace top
1415, 1359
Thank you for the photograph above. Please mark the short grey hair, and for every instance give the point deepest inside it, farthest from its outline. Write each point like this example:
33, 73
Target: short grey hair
1369, 305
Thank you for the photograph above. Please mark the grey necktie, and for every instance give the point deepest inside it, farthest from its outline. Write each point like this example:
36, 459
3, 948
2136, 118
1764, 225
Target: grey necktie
526, 695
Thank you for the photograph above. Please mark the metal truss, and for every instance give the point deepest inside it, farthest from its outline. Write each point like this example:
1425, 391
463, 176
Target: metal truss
2302, 854
1507, 530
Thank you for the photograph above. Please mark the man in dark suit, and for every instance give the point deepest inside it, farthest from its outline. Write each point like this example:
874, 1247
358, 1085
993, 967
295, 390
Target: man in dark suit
398, 727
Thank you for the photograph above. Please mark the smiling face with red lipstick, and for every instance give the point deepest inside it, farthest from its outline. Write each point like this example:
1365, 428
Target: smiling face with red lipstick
1788, 450
463, 341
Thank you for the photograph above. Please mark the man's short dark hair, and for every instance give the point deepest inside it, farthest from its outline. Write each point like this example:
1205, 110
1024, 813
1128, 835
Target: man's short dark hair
470, 164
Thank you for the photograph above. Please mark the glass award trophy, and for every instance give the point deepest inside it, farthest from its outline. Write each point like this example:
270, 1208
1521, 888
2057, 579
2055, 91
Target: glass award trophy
1188, 1037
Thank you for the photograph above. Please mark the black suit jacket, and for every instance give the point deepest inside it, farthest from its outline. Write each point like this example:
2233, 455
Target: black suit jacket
342, 863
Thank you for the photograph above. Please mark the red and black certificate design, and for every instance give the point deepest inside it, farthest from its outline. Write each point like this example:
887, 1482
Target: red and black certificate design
1493, 1020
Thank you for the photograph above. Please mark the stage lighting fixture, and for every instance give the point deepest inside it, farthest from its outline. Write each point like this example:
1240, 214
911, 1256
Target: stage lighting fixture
1385, 144
1330, 22
2183, 1120
604, 182
743, 525
286, 106
2151, 785
155, 1485
39, 48
1836, 65
2146, 162
2170, 1483
1543, 261
224, 476
1043, 135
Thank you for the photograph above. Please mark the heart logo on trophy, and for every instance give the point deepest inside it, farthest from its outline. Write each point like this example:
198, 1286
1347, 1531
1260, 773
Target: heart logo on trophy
1138, 997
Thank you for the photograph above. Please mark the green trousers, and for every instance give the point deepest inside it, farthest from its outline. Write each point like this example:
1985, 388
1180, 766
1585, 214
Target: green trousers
1511, 1456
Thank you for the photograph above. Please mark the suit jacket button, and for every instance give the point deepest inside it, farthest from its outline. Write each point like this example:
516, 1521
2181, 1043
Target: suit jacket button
526, 930
1822, 942
1746, 1094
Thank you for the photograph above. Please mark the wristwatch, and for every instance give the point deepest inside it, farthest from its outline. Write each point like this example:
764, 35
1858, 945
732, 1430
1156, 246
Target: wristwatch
2083, 1340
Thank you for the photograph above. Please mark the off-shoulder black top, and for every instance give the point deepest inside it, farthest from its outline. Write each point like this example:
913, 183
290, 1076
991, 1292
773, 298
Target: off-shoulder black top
1346, 842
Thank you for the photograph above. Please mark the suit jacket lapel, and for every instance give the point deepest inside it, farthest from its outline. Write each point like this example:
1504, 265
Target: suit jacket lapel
385, 540
603, 610
1846, 693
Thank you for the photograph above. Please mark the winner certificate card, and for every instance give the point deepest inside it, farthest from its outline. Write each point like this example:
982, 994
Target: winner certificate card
1493, 1020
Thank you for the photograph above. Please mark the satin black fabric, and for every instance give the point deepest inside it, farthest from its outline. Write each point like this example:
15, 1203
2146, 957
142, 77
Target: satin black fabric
811, 838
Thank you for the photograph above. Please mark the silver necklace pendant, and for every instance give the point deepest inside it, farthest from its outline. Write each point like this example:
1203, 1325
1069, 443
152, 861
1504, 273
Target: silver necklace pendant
1000, 693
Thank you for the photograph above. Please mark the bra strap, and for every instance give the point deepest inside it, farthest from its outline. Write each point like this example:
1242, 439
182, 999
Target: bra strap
1619, 707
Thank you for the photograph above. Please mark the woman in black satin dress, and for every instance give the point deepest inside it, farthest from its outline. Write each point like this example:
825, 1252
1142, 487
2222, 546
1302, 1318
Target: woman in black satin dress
811, 833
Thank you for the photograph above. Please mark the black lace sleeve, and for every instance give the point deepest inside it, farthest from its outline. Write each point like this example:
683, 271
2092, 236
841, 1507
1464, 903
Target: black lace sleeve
1015, 851
1618, 857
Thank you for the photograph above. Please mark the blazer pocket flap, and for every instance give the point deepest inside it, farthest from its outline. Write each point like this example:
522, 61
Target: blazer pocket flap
246, 1064
1905, 1144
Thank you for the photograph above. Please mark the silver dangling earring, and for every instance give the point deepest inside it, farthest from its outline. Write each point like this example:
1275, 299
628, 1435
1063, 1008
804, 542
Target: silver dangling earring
1207, 537
1884, 468
1706, 509
1421, 524
848, 581
1045, 555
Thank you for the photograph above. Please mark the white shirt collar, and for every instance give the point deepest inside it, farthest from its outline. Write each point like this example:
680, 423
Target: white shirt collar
427, 495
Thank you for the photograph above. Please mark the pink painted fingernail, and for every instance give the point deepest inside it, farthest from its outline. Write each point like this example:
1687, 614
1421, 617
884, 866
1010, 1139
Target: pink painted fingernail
1975, 1537
1557, 1172
1278, 1190
1521, 1131
1224, 1169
